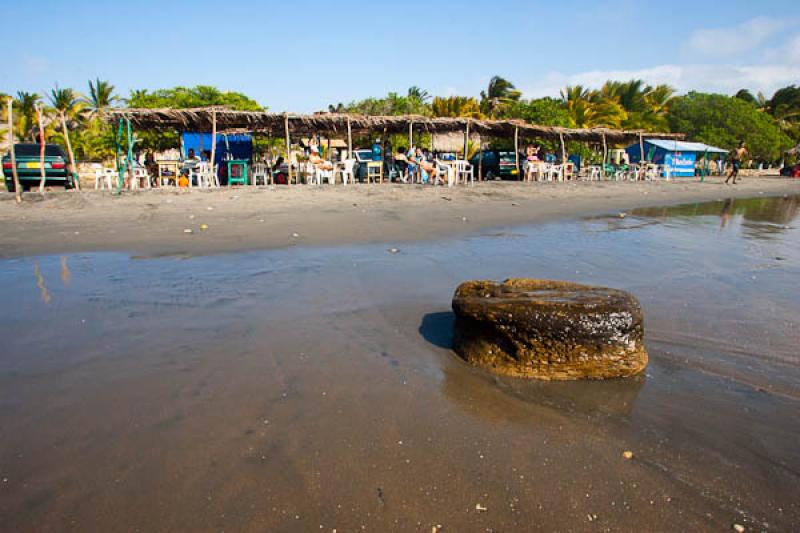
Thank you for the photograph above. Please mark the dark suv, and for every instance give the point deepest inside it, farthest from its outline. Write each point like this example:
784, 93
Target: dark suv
497, 164
56, 169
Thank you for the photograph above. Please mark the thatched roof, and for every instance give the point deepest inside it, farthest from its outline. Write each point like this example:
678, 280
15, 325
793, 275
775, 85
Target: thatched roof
335, 124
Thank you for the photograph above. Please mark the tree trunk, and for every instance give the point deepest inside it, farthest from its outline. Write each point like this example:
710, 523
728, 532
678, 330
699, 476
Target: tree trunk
349, 140
466, 141
516, 149
73, 168
605, 156
12, 152
42, 172
480, 158
213, 148
288, 149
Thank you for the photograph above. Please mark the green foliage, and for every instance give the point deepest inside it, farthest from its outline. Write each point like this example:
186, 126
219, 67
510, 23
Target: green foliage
25, 119
542, 111
184, 97
392, 104
723, 121
101, 96
785, 107
456, 106
626, 105
498, 97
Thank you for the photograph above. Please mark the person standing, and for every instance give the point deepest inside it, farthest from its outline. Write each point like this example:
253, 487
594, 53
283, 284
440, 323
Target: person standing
736, 162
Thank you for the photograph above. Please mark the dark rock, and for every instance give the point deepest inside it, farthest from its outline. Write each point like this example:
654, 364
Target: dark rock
553, 330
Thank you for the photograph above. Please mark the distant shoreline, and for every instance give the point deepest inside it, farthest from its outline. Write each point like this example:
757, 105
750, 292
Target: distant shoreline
153, 223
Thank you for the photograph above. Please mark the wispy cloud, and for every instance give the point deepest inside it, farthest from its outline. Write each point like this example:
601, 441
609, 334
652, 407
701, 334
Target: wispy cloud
724, 42
709, 78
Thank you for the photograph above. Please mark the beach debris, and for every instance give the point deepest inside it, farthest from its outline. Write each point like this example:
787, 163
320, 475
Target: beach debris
210, 208
514, 203
295, 235
591, 517
739, 528
622, 215
480, 508
393, 250
188, 230
191, 217
627, 454
446, 198
437, 528
463, 219
261, 220
203, 227
550, 330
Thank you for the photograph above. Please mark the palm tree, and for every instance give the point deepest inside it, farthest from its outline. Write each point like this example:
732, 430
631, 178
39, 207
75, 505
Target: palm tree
67, 104
26, 102
456, 106
420, 94
575, 99
101, 97
499, 94
137, 97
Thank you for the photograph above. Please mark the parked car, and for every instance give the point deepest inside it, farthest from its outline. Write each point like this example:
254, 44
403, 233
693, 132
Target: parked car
57, 170
791, 171
362, 157
497, 164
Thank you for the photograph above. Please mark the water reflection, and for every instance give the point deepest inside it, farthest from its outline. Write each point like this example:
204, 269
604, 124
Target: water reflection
66, 275
43, 292
759, 218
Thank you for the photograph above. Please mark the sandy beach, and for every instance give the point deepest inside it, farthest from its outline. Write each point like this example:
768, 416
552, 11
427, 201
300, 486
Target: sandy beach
290, 368
154, 222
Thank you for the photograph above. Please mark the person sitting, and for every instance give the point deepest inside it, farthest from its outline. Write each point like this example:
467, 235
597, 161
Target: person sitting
401, 163
532, 165
317, 160
427, 168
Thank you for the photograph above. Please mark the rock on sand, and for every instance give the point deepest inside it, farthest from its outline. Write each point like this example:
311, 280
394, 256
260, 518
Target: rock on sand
551, 330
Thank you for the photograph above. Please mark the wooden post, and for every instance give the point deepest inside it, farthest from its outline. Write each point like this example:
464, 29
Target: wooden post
213, 147
605, 156
73, 168
466, 141
641, 156
516, 148
12, 152
563, 148
480, 158
349, 140
288, 148
410, 134
42, 172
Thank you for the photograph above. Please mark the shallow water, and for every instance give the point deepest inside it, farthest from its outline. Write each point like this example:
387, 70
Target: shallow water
313, 388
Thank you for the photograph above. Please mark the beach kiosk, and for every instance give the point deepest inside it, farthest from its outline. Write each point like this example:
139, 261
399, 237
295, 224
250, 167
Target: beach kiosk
677, 157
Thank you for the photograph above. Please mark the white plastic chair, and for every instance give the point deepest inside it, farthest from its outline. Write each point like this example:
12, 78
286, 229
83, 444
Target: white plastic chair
259, 171
463, 171
345, 169
554, 172
103, 177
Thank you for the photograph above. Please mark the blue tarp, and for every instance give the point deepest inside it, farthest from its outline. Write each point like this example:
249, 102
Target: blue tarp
240, 146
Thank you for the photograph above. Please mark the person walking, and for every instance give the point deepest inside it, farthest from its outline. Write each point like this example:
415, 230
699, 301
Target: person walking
736, 162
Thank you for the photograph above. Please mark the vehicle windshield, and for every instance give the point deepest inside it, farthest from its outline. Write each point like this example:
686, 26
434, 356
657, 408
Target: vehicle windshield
508, 157
32, 150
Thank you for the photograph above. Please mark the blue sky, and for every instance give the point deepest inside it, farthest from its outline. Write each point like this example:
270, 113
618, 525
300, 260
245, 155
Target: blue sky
302, 55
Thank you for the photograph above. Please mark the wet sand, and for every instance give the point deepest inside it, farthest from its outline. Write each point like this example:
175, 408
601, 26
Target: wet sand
313, 388
153, 222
